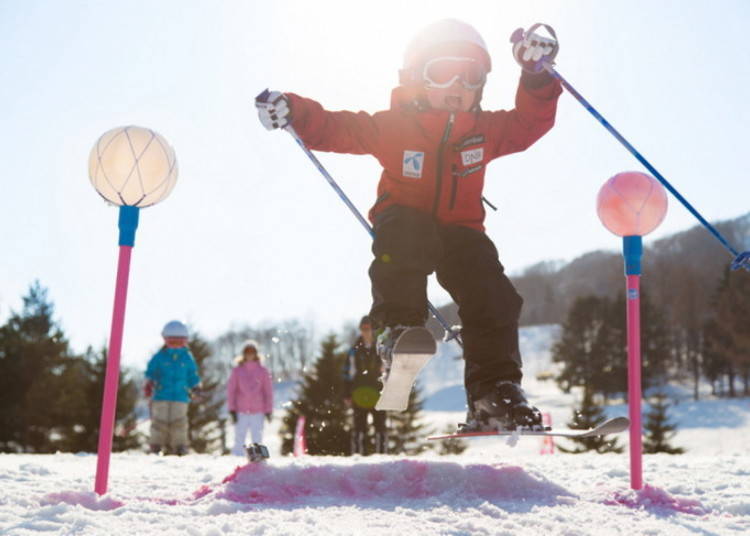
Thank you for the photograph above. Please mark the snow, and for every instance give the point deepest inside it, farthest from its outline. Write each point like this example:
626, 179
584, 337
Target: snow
491, 488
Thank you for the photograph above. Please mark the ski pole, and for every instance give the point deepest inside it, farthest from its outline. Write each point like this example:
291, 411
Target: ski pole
450, 334
741, 259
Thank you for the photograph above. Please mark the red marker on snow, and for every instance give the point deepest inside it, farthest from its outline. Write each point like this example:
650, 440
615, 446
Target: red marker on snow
632, 204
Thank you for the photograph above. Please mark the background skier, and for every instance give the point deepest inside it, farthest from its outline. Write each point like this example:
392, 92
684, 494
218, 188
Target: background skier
434, 144
362, 369
171, 375
249, 397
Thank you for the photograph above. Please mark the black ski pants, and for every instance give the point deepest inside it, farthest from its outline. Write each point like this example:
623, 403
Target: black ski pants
359, 433
409, 245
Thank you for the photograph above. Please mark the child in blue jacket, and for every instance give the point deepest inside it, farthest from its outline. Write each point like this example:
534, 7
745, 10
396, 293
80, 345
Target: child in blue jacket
171, 376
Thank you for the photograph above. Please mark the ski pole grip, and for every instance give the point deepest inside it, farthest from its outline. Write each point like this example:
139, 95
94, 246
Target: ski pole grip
519, 34
547, 61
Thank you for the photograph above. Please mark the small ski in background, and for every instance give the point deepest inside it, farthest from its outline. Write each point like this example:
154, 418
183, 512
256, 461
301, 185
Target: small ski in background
256, 452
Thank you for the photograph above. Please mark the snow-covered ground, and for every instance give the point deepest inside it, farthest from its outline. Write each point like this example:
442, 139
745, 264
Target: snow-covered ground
492, 488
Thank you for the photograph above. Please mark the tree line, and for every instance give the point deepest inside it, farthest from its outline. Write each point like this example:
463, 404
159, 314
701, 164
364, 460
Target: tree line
50, 397
592, 348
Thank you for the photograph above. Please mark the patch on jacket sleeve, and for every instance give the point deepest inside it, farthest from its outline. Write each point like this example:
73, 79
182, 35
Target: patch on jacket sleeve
472, 156
413, 164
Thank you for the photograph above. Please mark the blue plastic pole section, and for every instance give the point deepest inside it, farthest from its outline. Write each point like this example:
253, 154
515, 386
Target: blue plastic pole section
449, 331
741, 260
128, 223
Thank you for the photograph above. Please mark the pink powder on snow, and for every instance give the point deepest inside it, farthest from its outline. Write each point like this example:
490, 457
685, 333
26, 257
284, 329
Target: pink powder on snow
87, 499
399, 479
652, 497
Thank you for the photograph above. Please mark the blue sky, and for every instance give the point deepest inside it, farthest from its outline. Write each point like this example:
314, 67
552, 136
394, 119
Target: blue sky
252, 232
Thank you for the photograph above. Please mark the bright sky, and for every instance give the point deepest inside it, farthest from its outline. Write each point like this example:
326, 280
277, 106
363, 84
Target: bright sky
252, 232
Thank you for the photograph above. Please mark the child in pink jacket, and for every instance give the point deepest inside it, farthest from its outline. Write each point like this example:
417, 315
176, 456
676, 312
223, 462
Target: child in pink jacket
249, 397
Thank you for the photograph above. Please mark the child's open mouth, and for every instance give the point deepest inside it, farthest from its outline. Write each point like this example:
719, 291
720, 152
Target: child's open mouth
453, 103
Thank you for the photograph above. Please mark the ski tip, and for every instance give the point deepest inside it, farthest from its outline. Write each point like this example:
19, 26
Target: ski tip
416, 340
618, 423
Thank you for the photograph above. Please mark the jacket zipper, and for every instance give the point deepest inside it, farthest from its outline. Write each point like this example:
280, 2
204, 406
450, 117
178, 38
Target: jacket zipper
439, 179
454, 175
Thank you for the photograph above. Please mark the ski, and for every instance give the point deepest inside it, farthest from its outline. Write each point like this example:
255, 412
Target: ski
411, 352
611, 426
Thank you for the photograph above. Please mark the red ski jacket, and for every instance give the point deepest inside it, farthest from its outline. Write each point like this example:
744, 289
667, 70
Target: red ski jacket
433, 160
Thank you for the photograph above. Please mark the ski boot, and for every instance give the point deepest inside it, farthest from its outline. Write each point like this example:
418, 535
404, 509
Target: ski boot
256, 452
503, 408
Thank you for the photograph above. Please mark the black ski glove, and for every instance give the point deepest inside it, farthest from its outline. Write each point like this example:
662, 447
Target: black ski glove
268, 417
233, 415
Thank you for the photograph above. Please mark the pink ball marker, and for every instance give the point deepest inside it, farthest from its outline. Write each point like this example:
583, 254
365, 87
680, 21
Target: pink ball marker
632, 204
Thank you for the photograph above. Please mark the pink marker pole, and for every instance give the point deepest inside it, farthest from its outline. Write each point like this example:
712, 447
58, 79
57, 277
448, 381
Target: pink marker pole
300, 445
128, 223
632, 251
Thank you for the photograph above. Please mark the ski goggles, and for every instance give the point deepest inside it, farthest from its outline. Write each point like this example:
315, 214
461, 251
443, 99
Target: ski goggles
441, 73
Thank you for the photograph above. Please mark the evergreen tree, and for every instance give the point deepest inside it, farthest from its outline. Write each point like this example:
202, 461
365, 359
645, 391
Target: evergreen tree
717, 346
656, 343
586, 417
205, 425
407, 433
81, 404
33, 351
731, 310
321, 401
658, 428
610, 372
580, 344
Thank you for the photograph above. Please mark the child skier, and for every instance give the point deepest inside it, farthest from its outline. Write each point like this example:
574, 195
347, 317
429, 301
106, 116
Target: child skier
171, 377
249, 397
434, 144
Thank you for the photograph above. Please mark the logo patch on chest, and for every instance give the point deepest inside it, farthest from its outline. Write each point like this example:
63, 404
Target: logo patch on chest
413, 164
471, 157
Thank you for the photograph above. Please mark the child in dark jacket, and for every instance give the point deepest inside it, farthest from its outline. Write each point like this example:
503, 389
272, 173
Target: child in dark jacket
434, 144
362, 370
171, 377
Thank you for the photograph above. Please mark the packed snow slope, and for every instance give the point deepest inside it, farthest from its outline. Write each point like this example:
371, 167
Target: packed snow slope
492, 488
